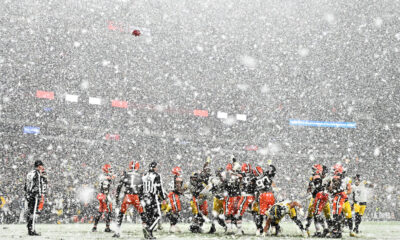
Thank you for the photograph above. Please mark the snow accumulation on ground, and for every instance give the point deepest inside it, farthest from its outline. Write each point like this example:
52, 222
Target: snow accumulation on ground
370, 230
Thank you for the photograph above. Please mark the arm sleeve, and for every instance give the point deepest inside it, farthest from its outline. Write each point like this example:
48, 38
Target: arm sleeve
29, 182
119, 187
213, 189
161, 191
32, 182
2, 202
273, 171
309, 188
140, 190
205, 165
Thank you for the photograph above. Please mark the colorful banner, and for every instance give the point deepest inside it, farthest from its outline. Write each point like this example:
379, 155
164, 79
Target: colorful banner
251, 148
200, 113
309, 123
113, 137
119, 104
31, 130
44, 94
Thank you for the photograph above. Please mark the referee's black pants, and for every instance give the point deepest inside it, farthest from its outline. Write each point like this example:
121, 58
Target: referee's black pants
32, 203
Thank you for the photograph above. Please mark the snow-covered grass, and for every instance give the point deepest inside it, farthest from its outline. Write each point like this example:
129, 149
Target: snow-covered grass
370, 230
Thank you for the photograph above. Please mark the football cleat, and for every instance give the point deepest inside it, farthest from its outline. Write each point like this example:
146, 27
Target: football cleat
116, 235
352, 234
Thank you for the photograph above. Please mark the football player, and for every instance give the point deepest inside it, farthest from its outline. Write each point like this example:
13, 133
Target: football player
105, 202
218, 191
233, 180
173, 212
360, 199
248, 190
199, 183
278, 211
340, 187
131, 180
266, 198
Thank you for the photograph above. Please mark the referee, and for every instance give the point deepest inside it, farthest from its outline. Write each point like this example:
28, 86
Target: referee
33, 193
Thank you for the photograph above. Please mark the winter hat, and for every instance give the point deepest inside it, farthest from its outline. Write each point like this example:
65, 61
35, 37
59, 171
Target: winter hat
153, 165
38, 163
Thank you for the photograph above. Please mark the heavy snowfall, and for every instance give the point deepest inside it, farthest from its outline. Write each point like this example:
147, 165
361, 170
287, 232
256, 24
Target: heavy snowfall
285, 83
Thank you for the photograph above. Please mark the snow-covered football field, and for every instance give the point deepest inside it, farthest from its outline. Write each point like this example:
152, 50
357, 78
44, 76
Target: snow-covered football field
370, 230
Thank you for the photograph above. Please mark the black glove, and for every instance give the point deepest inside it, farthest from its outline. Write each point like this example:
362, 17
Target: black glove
272, 171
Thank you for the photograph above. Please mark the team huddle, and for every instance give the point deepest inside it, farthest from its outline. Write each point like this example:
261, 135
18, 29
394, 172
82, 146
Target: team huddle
235, 190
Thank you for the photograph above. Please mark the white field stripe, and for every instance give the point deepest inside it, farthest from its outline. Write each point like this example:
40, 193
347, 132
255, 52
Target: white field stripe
71, 98
241, 117
95, 101
222, 115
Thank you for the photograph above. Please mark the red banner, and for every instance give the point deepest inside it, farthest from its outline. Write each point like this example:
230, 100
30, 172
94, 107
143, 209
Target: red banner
200, 113
251, 148
112, 136
119, 104
44, 94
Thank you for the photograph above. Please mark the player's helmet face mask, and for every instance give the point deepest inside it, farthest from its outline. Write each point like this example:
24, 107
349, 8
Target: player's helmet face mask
316, 177
194, 178
236, 167
357, 179
338, 170
336, 179
195, 175
245, 168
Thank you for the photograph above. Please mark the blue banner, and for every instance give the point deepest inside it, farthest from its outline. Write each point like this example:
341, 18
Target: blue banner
31, 130
309, 123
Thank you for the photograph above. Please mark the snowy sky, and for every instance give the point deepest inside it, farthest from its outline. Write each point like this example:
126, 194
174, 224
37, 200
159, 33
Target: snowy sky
267, 59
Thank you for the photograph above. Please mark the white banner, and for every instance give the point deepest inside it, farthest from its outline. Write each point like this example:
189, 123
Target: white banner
95, 101
71, 98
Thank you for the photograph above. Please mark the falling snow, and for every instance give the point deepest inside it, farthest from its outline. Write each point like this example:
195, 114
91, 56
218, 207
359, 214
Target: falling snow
286, 83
